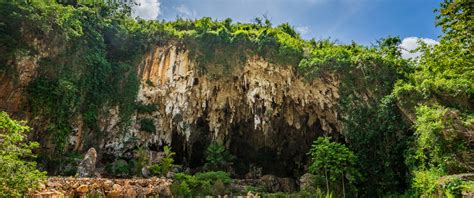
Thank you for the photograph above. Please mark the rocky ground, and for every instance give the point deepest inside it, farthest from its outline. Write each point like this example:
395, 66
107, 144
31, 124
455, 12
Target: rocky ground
103, 187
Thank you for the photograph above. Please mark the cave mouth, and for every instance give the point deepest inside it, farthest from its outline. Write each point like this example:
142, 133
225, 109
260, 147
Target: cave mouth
281, 152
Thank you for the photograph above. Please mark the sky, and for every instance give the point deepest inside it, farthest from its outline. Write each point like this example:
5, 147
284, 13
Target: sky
362, 21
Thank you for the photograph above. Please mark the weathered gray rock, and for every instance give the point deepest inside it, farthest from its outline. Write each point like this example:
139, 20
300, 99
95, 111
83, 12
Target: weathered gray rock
87, 166
145, 172
277, 184
307, 182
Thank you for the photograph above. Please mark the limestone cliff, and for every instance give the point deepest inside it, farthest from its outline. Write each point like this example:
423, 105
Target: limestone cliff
259, 109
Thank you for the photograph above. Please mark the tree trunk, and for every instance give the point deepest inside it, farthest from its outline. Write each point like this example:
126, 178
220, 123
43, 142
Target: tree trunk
343, 189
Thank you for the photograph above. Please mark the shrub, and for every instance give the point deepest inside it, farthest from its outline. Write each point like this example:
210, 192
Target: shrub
142, 159
207, 183
155, 170
214, 176
18, 174
164, 166
145, 108
119, 168
217, 157
147, 125
167, 161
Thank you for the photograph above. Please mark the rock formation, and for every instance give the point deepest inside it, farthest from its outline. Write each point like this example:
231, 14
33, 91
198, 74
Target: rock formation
264, 113
87, 166
100, 187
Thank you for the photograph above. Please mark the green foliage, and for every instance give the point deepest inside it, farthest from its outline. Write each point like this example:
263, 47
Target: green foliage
437, 96
155, 170
165, 165
372, 124
217, 157
332, 159
69, 163
455, 18
207, 183
167, 161
142, 159
425, 182
378, 136
94, 52
437, 149
147, 125
145, 108
18, 174
436, 144
118, 168
316, 194
214, 176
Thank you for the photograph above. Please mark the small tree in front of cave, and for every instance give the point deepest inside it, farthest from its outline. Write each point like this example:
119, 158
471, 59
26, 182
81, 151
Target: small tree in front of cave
217, 157
164, 166
18, 173
334, 160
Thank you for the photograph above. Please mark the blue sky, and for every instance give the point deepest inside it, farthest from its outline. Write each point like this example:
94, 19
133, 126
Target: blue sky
362, 21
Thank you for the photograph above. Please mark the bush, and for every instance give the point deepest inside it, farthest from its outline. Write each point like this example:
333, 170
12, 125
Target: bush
214, 176
164, 166
118, 168
217, 157
167, 161
142, 159
145, 108
155, 170
207, 183
147, 125
18, 174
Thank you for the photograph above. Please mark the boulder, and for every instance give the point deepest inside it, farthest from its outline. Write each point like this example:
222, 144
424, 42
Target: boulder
145, 172
87, 166
307, 182
83, 189
277, 184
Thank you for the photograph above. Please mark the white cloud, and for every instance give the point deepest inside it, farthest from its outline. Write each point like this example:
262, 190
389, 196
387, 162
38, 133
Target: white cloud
185, 12
411, 43
303, 30
146, 9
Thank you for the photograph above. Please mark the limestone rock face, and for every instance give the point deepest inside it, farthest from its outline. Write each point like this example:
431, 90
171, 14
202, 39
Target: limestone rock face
87, 166
264, 113
257, 109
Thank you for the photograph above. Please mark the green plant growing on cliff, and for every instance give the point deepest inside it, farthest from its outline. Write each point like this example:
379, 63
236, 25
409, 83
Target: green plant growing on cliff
147, 125
18, 173
438, 95
333, 160
217, 157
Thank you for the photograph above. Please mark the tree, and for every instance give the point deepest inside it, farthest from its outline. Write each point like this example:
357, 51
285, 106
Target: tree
18, 174
333, 159
167, 161
456, 20
217, 157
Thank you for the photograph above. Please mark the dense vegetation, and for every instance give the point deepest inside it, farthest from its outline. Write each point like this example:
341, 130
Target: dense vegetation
407, 124
18, 173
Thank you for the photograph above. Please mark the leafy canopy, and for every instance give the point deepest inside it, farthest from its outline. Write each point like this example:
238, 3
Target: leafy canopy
333, 158
18, 173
